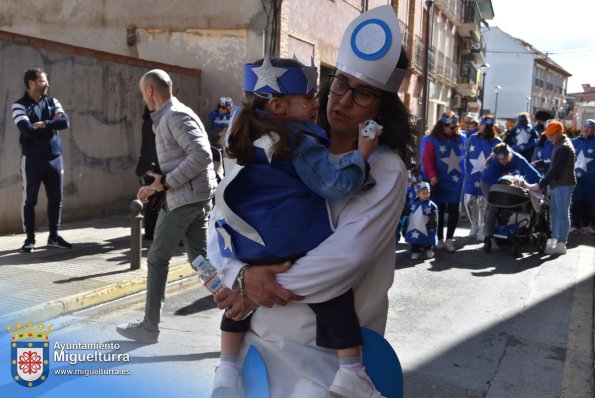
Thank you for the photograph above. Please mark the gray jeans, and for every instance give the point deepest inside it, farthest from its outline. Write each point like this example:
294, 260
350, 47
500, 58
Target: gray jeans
188, 223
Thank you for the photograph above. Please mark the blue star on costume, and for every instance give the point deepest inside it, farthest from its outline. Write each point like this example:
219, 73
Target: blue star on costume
453, 161
479, 149
266, 143
420, 229
477, 164
226, 243
268, 75
268, 79
311, 76
418, 221
449, 156
582, 161
522, 139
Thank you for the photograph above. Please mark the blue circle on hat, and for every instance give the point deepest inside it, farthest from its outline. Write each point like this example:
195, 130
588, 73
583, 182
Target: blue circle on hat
380, 52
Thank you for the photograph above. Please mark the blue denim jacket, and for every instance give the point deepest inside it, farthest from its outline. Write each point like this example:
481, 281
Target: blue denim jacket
275, 210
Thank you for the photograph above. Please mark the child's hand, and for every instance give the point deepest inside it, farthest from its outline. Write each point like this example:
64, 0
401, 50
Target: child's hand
366, 145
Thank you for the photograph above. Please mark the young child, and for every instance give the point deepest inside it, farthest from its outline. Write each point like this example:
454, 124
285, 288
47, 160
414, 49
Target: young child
414, 179
423, 218
273, 203
219, 120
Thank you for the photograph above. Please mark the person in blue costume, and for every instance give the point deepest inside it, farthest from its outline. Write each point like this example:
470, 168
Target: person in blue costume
583, 199
478, 148
273, 199
541, 117
423, 219
443, 153
522, 137
470, 125
542, 154
219, 120
414, 179
502, 161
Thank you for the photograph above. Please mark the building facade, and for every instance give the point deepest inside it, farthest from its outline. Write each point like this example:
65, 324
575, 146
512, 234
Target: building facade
521, 78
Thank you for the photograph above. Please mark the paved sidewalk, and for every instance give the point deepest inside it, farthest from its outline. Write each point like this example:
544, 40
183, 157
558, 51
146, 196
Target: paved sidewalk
50, 281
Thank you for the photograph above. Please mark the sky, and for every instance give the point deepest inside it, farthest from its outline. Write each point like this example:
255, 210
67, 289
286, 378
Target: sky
561, 28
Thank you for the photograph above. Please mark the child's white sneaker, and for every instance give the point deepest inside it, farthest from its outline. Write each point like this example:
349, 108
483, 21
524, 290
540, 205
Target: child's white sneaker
226, 382
430, 253
351, 384
440, 244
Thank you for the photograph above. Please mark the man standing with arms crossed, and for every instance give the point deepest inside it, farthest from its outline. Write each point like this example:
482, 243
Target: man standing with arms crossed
38, 118
184, 155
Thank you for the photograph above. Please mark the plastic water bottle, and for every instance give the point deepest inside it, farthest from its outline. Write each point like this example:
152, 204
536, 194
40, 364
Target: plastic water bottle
207, 274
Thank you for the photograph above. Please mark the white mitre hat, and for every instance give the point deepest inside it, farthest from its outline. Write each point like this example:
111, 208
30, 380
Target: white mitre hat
371, 47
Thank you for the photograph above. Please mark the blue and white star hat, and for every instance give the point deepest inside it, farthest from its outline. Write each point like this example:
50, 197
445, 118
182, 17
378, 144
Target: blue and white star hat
422, 185
371, 47
267, 79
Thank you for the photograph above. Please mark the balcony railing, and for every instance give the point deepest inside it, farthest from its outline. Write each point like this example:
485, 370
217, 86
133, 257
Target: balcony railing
432, 60
404, 33
468, 74
419, 53
471, 12
440, 63
450, 70
453, 9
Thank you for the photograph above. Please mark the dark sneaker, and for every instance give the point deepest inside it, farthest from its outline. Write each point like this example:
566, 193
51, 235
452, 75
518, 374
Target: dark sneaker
138, 332
28, 246
58, 241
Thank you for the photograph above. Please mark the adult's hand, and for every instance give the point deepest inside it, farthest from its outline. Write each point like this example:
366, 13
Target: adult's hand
533, 187
434, 181
236, 307
260, 285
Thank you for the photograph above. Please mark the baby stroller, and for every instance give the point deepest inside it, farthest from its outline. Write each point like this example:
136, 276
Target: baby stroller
521, 216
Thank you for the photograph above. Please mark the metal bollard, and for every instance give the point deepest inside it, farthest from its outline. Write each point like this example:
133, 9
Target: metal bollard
136, 224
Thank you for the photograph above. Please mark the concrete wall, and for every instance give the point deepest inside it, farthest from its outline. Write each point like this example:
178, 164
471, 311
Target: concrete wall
217, 37
99, 92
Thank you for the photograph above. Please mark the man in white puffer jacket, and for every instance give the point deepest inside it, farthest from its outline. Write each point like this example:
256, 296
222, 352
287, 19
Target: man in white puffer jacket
185, 158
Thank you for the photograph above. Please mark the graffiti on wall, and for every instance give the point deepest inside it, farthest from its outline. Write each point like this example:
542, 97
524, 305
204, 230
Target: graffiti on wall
101, 146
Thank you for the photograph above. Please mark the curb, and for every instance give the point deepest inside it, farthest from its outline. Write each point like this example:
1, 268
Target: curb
52, 309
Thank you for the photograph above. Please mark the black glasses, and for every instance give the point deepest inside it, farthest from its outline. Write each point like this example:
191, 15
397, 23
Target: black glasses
361, 96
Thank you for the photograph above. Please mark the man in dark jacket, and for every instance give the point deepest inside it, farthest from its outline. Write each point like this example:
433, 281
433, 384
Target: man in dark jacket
561, 178
38, 118
147, 161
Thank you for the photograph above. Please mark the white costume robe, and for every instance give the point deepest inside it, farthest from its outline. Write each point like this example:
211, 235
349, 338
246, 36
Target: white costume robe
359, 254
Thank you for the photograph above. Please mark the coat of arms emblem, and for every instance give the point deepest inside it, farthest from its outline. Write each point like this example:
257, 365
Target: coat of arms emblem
30, 353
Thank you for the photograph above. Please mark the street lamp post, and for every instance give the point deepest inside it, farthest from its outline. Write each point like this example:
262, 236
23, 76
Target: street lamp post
528, 102
496, 91
484, 71
424, 105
